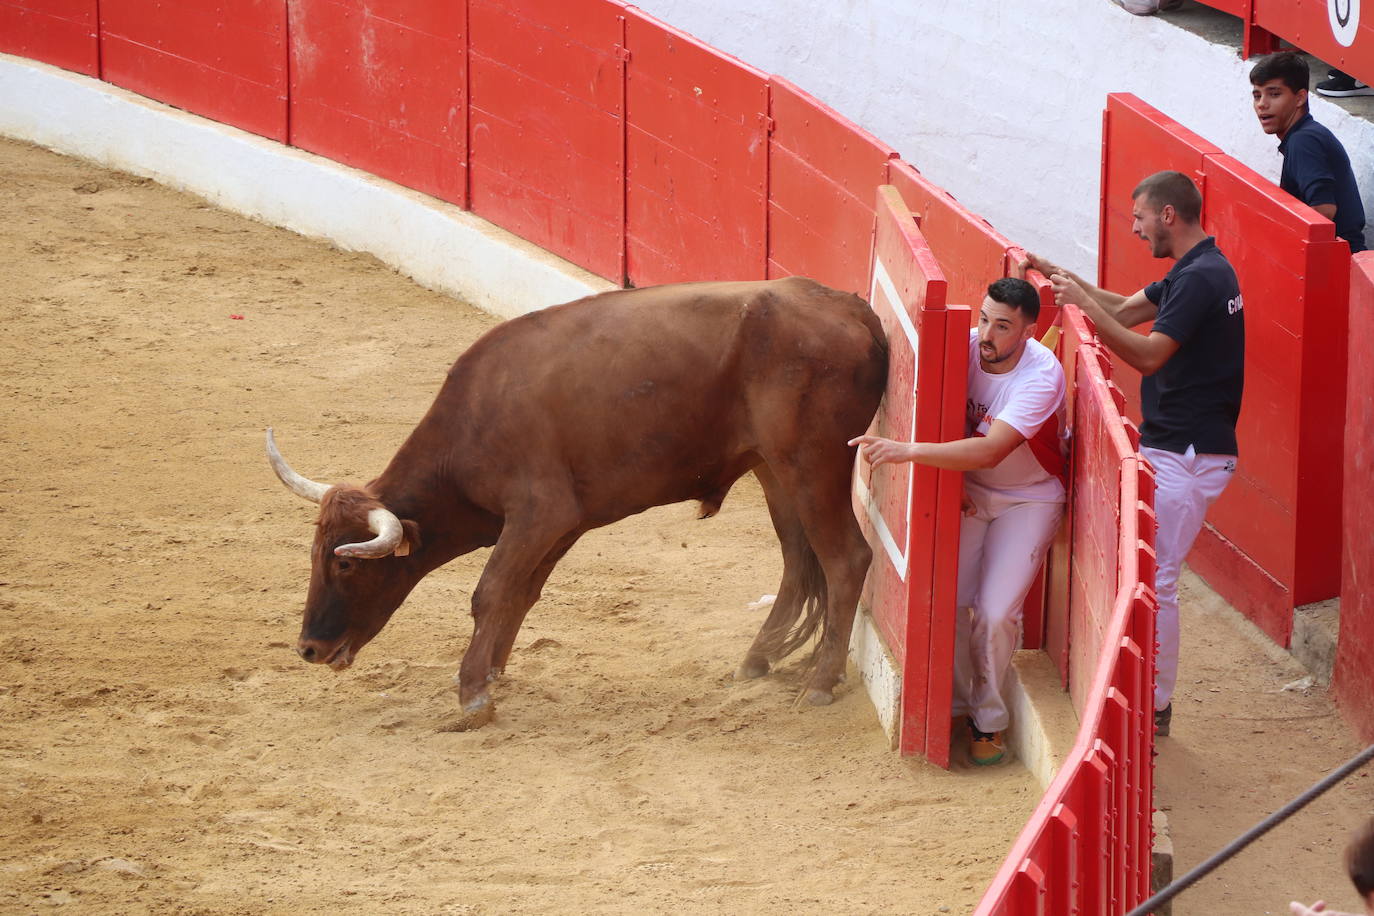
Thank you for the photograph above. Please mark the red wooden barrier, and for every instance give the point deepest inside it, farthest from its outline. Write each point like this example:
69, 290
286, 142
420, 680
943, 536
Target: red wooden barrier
1255, 40
1352, 683
696, 160
1087, 847
1076, 335
222, 60
910, 513
1333, 31
64, 33
972, 253
383, 89
546, 140
821, 174
1272, 540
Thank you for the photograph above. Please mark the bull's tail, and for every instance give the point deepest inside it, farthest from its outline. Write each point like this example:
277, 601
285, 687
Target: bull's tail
812, 602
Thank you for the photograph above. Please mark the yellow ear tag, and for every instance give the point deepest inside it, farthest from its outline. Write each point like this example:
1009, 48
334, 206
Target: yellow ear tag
403, 549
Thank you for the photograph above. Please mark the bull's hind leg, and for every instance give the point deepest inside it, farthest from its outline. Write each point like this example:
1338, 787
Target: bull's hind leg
799, 572
818, 482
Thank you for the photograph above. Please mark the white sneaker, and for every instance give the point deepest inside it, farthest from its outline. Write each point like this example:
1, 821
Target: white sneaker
1140, 7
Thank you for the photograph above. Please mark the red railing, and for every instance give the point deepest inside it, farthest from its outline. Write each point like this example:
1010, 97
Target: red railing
1332, 31
1086, 849
1355, 646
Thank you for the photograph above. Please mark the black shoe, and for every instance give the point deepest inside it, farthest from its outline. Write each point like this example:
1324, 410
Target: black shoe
1162, 720
1341, 85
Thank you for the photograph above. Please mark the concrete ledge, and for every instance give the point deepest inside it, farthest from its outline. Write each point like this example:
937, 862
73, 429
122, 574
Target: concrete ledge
1315, 630
1161, 861
437, 244
1043, 721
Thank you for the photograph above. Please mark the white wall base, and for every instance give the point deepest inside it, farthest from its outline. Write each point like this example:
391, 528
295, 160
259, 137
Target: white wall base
878, 672
437, 244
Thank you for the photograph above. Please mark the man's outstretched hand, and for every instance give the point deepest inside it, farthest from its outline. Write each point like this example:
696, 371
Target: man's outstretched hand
877, 450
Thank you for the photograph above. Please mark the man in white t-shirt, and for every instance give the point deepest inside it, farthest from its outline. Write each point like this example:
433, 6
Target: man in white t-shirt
1013, 461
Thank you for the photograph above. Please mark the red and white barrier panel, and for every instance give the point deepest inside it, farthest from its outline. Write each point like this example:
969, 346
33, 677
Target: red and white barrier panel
904, 644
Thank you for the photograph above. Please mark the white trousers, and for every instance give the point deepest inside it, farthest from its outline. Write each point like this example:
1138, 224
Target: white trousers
1185, 485
1001, 548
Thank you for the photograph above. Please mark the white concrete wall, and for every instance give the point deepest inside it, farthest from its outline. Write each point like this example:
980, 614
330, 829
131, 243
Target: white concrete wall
1000, 101
437, 244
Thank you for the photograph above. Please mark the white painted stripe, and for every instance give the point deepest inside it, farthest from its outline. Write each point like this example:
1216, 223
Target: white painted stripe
894, 553
882, 278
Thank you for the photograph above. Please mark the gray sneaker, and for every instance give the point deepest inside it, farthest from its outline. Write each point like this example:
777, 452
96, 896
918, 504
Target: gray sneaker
1162, 719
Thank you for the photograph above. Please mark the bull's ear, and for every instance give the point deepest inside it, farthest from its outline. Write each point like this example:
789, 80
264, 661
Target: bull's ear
410, 541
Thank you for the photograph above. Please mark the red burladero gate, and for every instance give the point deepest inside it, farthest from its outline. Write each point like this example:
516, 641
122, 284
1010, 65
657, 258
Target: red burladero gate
910, 513
1273, 539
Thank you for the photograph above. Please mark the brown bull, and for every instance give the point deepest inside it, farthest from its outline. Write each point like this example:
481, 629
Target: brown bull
579, 415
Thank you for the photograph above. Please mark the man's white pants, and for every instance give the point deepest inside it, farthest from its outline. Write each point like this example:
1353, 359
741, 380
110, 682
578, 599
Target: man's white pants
1001, 548
1185, 485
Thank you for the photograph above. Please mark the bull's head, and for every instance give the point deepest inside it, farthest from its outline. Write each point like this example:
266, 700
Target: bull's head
356, 580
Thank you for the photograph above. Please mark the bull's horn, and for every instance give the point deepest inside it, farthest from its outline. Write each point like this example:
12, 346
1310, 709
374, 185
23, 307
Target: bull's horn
301, 486
389, 532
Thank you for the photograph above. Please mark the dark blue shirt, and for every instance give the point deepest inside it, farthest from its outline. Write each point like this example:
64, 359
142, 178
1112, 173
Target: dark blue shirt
1316, 170
1194, 398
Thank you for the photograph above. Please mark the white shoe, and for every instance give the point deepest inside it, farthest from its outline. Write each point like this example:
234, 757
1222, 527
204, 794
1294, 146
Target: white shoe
1140, 7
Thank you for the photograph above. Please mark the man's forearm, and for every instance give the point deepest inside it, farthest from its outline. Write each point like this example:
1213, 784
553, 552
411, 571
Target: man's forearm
969, 454
1135, 349
1107, 300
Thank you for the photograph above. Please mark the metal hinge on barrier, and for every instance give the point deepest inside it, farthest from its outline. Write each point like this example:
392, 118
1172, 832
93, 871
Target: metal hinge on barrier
622, 53
767, 123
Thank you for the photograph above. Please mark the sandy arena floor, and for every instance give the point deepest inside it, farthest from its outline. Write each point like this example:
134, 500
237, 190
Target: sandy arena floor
163, 750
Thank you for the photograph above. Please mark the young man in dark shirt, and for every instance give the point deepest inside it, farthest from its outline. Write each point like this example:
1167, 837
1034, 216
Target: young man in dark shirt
1316, 169
1192, 364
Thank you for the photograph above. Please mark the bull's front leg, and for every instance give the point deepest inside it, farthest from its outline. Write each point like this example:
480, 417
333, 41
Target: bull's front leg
520, 562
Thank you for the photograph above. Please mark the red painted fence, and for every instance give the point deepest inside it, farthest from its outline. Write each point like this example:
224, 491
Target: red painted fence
910, 513
65, 33
547, 129
1087, 848
1272, 541
1332, 30
697, 158
224, 60
383, 89
1355, 647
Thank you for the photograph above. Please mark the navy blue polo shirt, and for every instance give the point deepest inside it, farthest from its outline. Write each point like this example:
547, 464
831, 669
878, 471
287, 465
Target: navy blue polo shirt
1194, 398
1316, 170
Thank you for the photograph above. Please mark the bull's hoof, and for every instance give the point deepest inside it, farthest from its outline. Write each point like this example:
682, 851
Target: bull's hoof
477, 711
472, 719
751, 668
818, 697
